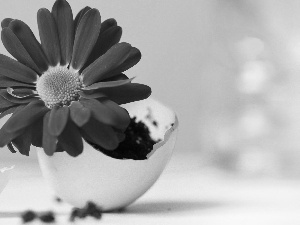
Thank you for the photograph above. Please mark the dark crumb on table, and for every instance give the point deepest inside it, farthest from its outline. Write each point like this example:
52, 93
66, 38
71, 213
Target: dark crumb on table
90, 209
47, 217
76, 213
28, 216
137, 144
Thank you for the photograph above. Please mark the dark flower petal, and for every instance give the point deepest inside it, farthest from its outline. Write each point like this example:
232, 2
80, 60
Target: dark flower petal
37, 130
108, 84
70, 140
30, 43
15, 100
121, 95
6, 137
5, 22
79, 114
63, 16
21, 92
121, 136
120, 114
26, 116
4, 109
49, 141
100, 134
15, 70
93, 95
133, 58
23, 141
105, 41
106, 24
20, 100
49, 36
120, 76
10, 110
86, 36
16, 49
59, 148
8, 82
4, 103
11, 147
100, 112
58, 120
79, 16
107, 115
127, 93
102, 67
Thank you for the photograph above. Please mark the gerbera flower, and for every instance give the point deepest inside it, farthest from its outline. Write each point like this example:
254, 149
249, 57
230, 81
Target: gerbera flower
70, 85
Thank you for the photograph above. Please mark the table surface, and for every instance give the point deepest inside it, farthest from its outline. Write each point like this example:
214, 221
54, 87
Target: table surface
188, 195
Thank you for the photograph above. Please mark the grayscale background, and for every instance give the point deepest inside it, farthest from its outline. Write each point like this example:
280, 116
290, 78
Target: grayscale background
230, 69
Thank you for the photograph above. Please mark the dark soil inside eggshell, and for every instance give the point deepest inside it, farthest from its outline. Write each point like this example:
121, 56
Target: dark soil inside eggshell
137, 144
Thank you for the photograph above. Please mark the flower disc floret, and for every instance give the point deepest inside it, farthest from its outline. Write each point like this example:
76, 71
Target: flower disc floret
59, 86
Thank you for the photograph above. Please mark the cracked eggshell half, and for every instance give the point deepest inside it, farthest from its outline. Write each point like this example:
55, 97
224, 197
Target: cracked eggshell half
113, 183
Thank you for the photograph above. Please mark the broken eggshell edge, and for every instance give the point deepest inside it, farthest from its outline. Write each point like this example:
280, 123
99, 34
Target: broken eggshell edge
5, 176
113, 183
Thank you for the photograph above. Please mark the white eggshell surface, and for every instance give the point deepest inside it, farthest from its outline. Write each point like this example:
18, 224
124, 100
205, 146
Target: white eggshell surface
112, 183
4, 177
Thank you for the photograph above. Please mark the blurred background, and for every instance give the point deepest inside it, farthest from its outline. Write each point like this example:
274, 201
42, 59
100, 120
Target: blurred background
230, 69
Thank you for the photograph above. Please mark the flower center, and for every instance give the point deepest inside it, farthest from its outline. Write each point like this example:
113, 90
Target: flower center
58, 86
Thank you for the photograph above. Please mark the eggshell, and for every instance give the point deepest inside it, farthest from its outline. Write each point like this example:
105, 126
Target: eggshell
4, 177
113, 183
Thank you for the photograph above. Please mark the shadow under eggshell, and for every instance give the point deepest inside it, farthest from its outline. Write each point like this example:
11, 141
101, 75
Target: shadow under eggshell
113, 183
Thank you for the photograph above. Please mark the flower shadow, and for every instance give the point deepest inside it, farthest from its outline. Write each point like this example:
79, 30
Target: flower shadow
172, 206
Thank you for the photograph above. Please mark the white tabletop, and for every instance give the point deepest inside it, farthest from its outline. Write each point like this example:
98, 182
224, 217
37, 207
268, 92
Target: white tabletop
191, 196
